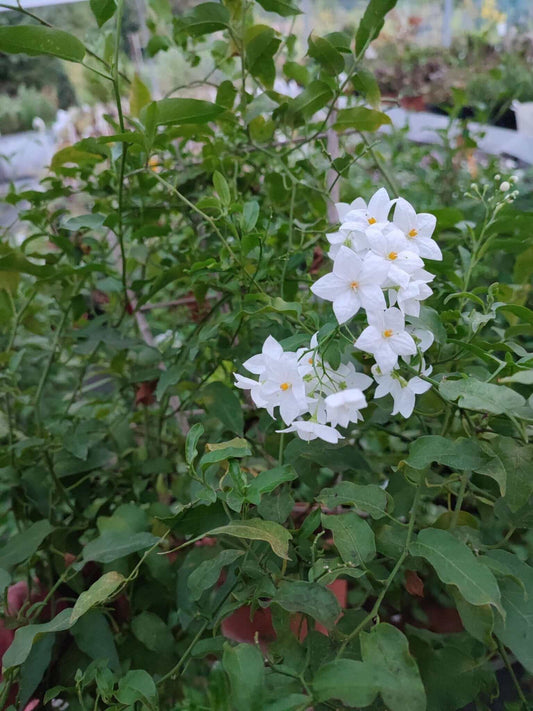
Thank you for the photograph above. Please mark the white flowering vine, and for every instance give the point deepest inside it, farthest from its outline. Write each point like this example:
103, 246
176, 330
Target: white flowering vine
378, 271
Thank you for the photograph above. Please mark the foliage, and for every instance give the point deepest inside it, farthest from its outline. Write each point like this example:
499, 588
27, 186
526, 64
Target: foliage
163, 546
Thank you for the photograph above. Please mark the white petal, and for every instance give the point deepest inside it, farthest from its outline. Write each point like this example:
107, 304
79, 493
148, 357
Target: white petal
347, 305
347, 265
329, 287
272, 348
402, 344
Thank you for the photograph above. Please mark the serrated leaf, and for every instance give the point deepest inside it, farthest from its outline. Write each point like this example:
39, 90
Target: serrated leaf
353, 537
37, 39
99, 592
455, 564
256, 529
311, 599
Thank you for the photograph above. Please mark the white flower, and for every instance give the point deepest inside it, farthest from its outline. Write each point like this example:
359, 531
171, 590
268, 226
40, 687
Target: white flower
308, 430
350, 234
346, 377
377, 210
403, 391
422, 337
417, 229
353, 283
409, 297
343, 407
280, 382
393, 249
386, 338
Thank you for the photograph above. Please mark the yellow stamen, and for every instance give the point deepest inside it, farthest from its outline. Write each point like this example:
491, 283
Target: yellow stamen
372, 220
393, 255
354, 285
285, 386
412, 233
311, 361
388, 333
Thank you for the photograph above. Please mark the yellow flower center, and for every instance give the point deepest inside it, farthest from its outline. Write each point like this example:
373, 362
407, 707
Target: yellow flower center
388, 333
393, 255
354, 285
372, 220
310, 363
412, 233
284, 386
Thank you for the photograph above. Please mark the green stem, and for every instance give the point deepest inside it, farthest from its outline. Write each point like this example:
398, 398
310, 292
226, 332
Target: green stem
379, 165
510, 669
289, 245
460, 498
46, 371
375, 609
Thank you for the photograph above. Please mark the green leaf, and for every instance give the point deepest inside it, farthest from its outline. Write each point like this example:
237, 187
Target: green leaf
24, 638
37, 39
354, 539
353, 683
113, 545
226, 93
311, 599
265, 482
33, 669
455, 564
322, 51
250, 213
371, 24
91, 221
361, 119
246, 672
222, 188
281, 7
385, 649
184, 111
366, 84
99, 592
206, 575
461, 454
370, 498
94, 637
206, 18
261, 43
5, 579
478, 620
516, 631
137, 685
473, 394
150, 629
222, 403
515, 461
313, 98
191, 442
237, 448
23, 545
103, 10
139, 95
525, 377
258, 530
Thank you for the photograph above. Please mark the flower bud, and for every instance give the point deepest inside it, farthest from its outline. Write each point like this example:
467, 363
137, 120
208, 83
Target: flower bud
505, 186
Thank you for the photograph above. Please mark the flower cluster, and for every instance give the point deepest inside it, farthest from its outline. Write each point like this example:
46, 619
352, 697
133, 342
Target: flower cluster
378, 269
